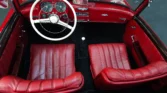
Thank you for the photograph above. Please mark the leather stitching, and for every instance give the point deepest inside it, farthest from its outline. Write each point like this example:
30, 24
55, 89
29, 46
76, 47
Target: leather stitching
121, 57
115, 56
99, 57
52, 81
45, 63
40, 60
28, 86
18, 84
40, 86
133, 75
58, 53
157, 68
65, 61
53, 52
104, 56
141, 72
148, 71
109, 56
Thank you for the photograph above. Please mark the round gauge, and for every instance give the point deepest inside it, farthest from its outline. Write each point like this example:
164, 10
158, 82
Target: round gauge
60, 6
46, 6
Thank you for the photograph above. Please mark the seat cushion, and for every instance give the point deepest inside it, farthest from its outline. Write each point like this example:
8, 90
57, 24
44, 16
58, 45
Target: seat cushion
51, 61
12, 84
111, 78
108, 55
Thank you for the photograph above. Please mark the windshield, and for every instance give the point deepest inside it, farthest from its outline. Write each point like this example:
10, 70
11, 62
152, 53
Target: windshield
84, 2
133, 4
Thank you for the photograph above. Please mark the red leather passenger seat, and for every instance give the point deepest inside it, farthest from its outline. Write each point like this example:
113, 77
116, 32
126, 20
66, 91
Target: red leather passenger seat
52, 69
111, 69
108, 55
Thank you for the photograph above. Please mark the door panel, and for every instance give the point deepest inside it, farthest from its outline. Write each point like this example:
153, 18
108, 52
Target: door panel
149, 50
9, 40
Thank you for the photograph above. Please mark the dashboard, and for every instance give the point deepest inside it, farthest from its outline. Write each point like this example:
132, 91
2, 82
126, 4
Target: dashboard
90, 12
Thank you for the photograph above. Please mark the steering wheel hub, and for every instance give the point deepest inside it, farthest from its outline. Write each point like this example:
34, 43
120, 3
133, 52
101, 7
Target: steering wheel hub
54, 19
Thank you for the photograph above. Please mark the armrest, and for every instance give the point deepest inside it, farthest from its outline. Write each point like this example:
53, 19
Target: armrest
120, 77
14, 84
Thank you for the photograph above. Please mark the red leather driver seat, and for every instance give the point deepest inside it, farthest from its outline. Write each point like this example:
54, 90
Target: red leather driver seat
52, 69
111, 69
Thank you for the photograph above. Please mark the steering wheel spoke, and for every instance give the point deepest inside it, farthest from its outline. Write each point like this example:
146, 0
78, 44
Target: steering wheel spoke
46, 20
64, 24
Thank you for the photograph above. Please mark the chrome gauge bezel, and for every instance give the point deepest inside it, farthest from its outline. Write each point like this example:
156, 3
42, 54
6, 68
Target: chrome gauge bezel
62, 8
43, 4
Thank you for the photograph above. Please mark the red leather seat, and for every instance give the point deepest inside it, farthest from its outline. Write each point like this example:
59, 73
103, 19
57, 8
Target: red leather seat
111, 69
52, 69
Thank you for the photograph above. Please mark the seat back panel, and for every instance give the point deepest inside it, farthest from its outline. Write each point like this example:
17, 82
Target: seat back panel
108, 55
51, 61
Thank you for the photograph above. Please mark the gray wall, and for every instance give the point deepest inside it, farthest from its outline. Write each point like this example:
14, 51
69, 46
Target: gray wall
3, 13
156, 16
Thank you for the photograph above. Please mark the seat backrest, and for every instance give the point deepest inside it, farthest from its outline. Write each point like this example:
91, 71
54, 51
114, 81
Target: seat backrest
50, 61
112, 55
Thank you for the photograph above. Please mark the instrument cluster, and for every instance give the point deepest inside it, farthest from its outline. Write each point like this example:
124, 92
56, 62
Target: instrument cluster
47, 7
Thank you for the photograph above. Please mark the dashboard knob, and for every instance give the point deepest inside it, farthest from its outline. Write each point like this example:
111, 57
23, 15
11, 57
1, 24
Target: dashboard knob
44, 16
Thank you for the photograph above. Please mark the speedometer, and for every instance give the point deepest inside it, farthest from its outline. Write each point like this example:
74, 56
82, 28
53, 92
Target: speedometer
60, 6
46, 6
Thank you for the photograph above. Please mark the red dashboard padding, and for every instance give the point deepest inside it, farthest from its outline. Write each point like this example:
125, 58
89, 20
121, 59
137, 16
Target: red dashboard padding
51, 61
11, 84
111, 70
108, 55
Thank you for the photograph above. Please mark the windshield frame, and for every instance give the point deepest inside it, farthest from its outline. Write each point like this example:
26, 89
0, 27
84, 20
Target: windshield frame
95, 1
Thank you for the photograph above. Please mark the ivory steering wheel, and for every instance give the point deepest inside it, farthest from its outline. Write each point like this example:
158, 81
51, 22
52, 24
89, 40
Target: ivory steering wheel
53, 19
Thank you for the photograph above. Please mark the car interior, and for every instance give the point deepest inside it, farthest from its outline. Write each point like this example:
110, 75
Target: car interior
118, 53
